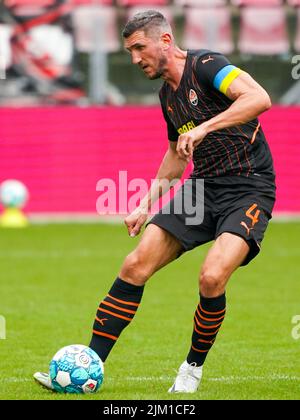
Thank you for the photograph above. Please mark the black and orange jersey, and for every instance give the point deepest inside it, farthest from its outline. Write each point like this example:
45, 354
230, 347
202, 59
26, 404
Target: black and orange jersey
241, 150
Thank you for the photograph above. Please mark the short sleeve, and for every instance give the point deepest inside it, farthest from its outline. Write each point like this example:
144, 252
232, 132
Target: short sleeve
216, 71
172, 132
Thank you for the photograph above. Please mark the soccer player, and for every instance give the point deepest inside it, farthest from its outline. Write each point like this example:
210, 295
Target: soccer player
211, 109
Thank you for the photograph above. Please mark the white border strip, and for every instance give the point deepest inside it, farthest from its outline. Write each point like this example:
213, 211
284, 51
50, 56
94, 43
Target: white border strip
49, 218
89, 218
286, 217
226, 379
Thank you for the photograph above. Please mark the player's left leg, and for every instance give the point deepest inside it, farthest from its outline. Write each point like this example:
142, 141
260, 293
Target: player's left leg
224, 257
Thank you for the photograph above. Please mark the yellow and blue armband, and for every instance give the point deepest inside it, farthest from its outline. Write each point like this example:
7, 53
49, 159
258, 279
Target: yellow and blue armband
225, 77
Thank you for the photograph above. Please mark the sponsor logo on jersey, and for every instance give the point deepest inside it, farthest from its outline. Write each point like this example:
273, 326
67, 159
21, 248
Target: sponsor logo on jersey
193, 97
186, 127
207, 60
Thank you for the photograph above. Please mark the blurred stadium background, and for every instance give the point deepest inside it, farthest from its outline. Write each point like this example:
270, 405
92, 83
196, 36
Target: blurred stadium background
74, 110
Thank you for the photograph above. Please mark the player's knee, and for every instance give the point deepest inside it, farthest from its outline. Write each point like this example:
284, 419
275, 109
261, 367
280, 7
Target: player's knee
134, 269
212, 281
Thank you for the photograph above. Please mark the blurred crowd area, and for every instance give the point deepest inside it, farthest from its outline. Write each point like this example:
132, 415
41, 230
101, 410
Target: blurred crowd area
70, 51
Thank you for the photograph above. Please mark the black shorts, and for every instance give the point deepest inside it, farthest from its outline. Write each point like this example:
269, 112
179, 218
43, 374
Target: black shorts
236, 205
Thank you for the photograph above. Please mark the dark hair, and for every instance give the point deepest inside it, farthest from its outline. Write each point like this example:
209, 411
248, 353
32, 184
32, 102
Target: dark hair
144, 21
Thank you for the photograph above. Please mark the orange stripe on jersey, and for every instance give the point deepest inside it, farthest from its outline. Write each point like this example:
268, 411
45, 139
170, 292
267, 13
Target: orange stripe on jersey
124, 301
114, 314
255, 134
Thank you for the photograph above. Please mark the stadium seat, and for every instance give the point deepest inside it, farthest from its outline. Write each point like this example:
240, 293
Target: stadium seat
43, 3
262, 3
25, 8
293, 2
263, 31
5, 49
297, 39
47, 3
86, 21
201, 3
29, 7
46, 38
147, 3
90, 2
208, 28
39, 56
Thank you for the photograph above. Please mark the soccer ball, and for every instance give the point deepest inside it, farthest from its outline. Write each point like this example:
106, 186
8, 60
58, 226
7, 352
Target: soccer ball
13, 193
76, 369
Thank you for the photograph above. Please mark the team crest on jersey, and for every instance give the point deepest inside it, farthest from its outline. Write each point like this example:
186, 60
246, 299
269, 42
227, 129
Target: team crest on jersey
193, 97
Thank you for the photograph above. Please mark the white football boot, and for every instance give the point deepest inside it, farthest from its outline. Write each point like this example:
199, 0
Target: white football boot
188, 378
43, 379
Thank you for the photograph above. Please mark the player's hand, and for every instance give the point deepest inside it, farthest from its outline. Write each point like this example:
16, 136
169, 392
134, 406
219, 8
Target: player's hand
188, 141
135, 221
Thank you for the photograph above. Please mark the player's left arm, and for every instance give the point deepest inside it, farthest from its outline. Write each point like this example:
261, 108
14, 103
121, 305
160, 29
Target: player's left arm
249, 101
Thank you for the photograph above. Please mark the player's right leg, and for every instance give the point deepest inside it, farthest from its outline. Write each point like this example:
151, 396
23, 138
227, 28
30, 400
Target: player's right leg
156, 249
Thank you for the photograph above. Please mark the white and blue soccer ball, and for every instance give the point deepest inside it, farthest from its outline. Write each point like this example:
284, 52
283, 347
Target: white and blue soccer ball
76, 369
13, 193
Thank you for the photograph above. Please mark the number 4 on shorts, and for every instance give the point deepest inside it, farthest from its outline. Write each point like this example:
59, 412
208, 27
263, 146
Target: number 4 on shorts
253, 217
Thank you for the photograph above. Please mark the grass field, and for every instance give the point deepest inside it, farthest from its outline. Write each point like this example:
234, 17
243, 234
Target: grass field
53, 277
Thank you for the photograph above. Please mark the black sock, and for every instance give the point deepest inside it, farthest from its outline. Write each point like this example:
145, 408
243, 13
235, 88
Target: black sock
114, 313
208, 319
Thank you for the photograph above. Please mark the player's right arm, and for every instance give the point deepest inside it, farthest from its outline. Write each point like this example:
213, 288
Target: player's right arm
171, 169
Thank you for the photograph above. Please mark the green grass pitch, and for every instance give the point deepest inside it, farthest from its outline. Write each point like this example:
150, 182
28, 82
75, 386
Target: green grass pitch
53, 277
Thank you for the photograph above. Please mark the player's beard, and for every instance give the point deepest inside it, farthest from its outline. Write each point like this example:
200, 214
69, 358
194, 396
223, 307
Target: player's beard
160, 69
